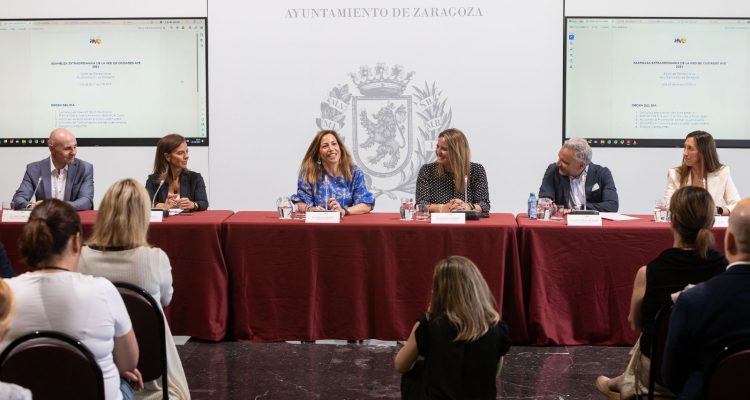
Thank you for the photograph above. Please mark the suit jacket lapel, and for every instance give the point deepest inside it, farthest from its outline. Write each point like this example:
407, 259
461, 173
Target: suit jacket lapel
591, 178
566, 190
46, 190
72, 168
184, 189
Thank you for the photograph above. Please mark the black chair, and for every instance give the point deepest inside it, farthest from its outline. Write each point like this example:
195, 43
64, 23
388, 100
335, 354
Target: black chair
724, 376
148, 325
52, 365
658, 343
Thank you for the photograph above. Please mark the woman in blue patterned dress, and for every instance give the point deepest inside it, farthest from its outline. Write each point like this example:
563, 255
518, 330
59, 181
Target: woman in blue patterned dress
329, 180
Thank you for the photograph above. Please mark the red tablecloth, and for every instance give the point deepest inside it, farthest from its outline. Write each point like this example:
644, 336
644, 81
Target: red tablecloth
193, 244
579, 280
366, 277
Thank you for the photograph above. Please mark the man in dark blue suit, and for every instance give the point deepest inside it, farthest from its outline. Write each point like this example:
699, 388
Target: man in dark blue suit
574, 181
61, 175
711, 315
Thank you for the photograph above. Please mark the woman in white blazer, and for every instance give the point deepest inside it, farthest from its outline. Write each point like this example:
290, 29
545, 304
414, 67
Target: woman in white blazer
701, 167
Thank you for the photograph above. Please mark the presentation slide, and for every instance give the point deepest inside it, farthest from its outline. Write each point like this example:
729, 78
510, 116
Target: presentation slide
111, 82
649, 82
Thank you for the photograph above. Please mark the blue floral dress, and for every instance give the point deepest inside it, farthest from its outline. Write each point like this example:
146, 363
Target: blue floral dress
346, 193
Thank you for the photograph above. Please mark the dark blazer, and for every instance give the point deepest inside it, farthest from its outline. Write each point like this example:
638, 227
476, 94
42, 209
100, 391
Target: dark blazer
604, 198
191, 186
705, 318
79, 186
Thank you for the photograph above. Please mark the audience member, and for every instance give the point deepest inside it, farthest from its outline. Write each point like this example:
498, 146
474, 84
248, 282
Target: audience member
6, 269
690, 260
711, 315
118, 251
9, 391
446, 183
172, 184
53, 296
461, 338
574, 182
701, 167
329, 180
60, 176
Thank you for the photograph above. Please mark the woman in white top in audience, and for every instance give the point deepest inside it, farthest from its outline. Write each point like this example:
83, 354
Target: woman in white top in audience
53, 296
701, 167
118, 251
9, 391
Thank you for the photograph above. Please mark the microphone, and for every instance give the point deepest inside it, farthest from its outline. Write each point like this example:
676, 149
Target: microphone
165, 210
38, 182
153, 202
466, 188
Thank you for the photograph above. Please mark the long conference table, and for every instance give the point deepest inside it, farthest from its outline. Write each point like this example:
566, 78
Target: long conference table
193, 243
578, 281
369, 276
250, 276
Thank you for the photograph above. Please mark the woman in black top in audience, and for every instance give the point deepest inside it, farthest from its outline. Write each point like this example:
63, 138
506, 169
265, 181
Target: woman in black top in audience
690, 260
461, 338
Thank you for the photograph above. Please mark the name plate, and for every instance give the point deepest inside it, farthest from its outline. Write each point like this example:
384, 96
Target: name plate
156, 215
16, 215
584, 220
323, 217
447, 218
721, 221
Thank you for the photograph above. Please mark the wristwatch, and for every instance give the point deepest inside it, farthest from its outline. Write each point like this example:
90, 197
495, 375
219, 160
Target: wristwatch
719, 210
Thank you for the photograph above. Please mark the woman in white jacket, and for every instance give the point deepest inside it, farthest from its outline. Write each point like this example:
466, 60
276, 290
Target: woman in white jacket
701, 167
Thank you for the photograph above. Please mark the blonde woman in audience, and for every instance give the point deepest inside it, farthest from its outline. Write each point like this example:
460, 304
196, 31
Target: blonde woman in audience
54, 296
690, 260
9, 391
461, 338
701, 167
118, 250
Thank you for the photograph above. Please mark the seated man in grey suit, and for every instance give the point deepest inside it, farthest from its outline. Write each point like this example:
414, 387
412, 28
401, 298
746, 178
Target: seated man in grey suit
61, 175
711, 315
574, 181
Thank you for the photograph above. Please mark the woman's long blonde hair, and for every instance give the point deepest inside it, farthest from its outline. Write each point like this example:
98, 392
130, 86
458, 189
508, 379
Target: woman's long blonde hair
312, 170
123, 216
459, 158
461, 294
7, 308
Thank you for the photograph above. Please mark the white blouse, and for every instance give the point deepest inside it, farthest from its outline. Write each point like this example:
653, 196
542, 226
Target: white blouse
718, 183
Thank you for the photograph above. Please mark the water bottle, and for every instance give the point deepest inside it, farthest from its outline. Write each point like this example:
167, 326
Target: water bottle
532, 206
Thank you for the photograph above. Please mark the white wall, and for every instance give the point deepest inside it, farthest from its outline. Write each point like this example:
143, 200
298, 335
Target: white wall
499, 73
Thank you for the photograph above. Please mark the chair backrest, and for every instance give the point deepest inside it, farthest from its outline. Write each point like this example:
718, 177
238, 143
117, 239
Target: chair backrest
52, 365
658, 343
723, 378
148, 325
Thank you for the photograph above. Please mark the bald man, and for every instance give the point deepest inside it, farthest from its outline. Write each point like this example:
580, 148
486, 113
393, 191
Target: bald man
711, 315
61, 175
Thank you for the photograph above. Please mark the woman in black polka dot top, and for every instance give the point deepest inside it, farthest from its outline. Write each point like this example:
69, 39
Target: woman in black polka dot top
441, 183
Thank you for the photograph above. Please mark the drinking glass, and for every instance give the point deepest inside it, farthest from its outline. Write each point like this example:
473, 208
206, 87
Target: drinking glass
423, 212
544, 209
284, 207
407, 209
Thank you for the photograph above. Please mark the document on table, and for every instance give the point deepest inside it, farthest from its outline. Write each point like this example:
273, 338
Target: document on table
613, 216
